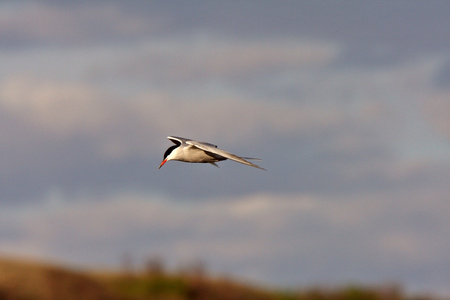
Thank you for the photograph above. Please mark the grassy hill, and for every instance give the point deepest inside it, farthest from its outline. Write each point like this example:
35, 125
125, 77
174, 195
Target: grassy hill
23, 280
31, 280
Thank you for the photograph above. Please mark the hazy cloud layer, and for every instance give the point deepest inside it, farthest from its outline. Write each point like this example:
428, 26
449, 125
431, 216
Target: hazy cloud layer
38, 23
350, 117
371, 238
376, 30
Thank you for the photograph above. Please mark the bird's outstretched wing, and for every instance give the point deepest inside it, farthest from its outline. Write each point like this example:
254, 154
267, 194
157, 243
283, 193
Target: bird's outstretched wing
213, 149
177, 140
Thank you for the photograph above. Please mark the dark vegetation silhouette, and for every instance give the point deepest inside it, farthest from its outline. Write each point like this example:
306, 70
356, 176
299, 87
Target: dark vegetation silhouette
25, 280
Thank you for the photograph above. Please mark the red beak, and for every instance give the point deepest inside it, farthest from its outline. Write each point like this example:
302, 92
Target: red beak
162, 163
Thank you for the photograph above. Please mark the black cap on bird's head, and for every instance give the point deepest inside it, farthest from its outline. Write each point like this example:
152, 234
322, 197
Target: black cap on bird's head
166, 154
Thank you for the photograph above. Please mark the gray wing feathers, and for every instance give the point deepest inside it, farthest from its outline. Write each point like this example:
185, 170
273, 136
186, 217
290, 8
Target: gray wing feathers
213, 149
177, 140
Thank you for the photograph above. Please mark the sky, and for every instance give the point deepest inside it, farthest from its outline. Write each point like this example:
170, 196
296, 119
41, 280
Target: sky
346, 103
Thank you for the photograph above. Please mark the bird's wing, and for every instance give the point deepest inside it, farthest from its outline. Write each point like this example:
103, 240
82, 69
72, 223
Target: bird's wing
213, 149
177, 140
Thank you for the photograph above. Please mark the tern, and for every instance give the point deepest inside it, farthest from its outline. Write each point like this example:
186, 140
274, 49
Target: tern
191, 151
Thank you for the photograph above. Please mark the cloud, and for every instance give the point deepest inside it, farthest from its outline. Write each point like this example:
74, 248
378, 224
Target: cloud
364, 236
352, 129
202, 57
41, 23
76, 135
62, 110
407, 29
436, 108
59, 109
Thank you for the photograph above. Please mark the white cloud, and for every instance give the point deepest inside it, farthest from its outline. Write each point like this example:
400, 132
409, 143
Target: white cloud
436, 108
57, 108
351, 124
41, 22
126, 127
198, 58
377, 236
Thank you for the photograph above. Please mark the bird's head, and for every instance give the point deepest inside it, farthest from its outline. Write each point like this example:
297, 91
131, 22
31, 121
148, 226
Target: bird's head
167, 155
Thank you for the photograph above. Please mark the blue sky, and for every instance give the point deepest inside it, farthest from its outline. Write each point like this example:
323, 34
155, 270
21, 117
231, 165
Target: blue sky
346, 102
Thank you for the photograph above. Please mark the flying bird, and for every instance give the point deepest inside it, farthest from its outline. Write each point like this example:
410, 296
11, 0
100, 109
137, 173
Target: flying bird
199, 152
